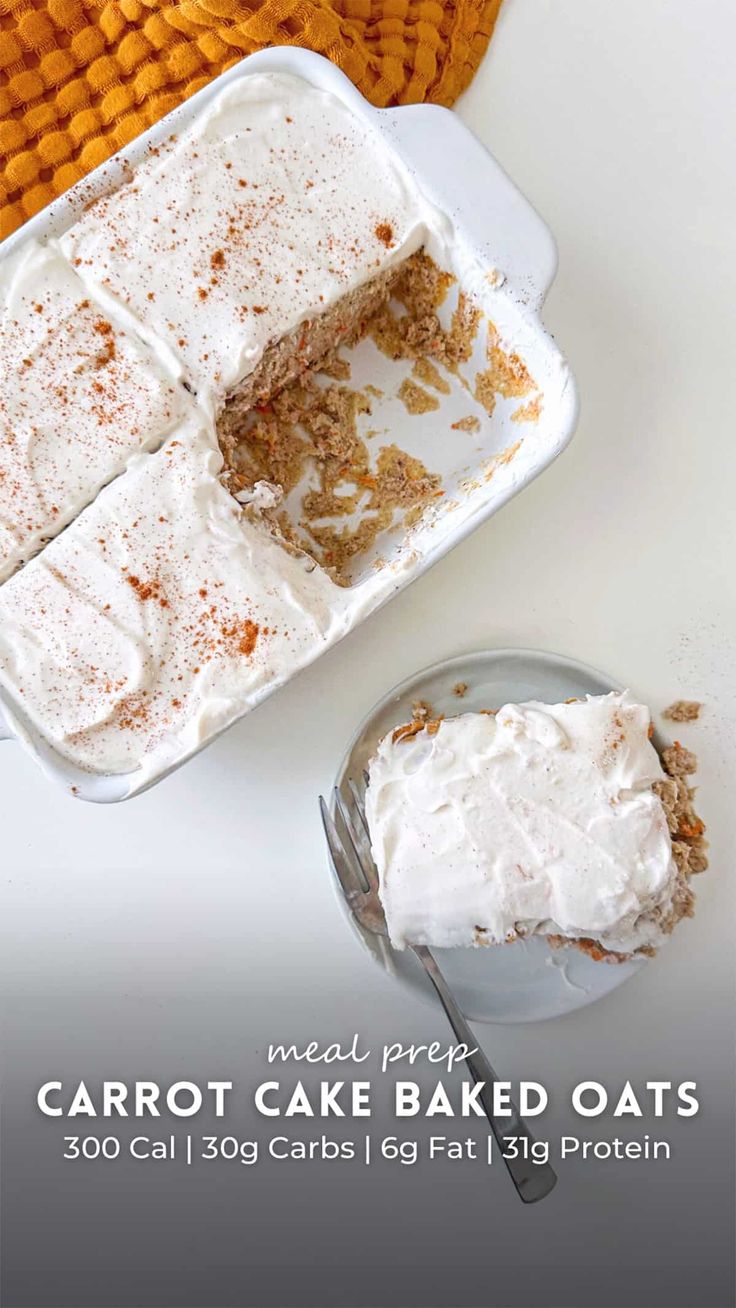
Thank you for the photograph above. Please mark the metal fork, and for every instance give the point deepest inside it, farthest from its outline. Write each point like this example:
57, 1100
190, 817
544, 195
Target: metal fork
352, 860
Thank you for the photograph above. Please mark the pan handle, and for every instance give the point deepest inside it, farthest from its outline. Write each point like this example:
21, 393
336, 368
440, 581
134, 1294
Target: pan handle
458, 174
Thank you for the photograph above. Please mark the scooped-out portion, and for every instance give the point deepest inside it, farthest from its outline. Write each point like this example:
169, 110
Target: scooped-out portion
379, 421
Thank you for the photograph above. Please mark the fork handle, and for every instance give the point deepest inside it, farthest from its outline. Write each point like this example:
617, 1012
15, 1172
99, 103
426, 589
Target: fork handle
533, 1180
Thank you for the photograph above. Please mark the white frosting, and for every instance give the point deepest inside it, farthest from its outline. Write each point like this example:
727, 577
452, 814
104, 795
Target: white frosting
275, 204
161, 614
127, 641
540, 819
78, 396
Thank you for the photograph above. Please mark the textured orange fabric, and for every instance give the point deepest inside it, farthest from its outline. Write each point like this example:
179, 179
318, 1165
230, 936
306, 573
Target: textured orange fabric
80, 78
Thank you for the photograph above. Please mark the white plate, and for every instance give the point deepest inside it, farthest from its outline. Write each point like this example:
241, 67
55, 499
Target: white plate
527, 981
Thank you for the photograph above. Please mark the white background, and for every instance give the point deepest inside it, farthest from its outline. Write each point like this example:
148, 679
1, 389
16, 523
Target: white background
617, 121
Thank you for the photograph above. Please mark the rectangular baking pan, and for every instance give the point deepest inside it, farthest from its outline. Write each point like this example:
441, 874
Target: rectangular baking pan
503, 254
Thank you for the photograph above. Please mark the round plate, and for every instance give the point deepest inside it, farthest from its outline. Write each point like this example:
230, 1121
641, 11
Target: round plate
527, 981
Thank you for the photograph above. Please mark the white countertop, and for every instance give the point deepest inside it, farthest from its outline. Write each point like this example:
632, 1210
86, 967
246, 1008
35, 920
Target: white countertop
617, 122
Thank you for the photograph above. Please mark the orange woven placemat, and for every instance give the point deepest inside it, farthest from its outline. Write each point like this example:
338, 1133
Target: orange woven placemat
80, 78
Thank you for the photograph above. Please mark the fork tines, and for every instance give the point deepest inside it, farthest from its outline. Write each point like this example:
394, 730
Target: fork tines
349, 842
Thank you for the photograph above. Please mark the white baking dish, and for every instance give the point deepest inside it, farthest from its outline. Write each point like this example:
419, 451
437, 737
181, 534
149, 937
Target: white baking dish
502, 253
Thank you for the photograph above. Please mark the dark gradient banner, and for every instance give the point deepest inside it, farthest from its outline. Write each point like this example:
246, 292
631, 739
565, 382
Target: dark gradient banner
370, 1208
